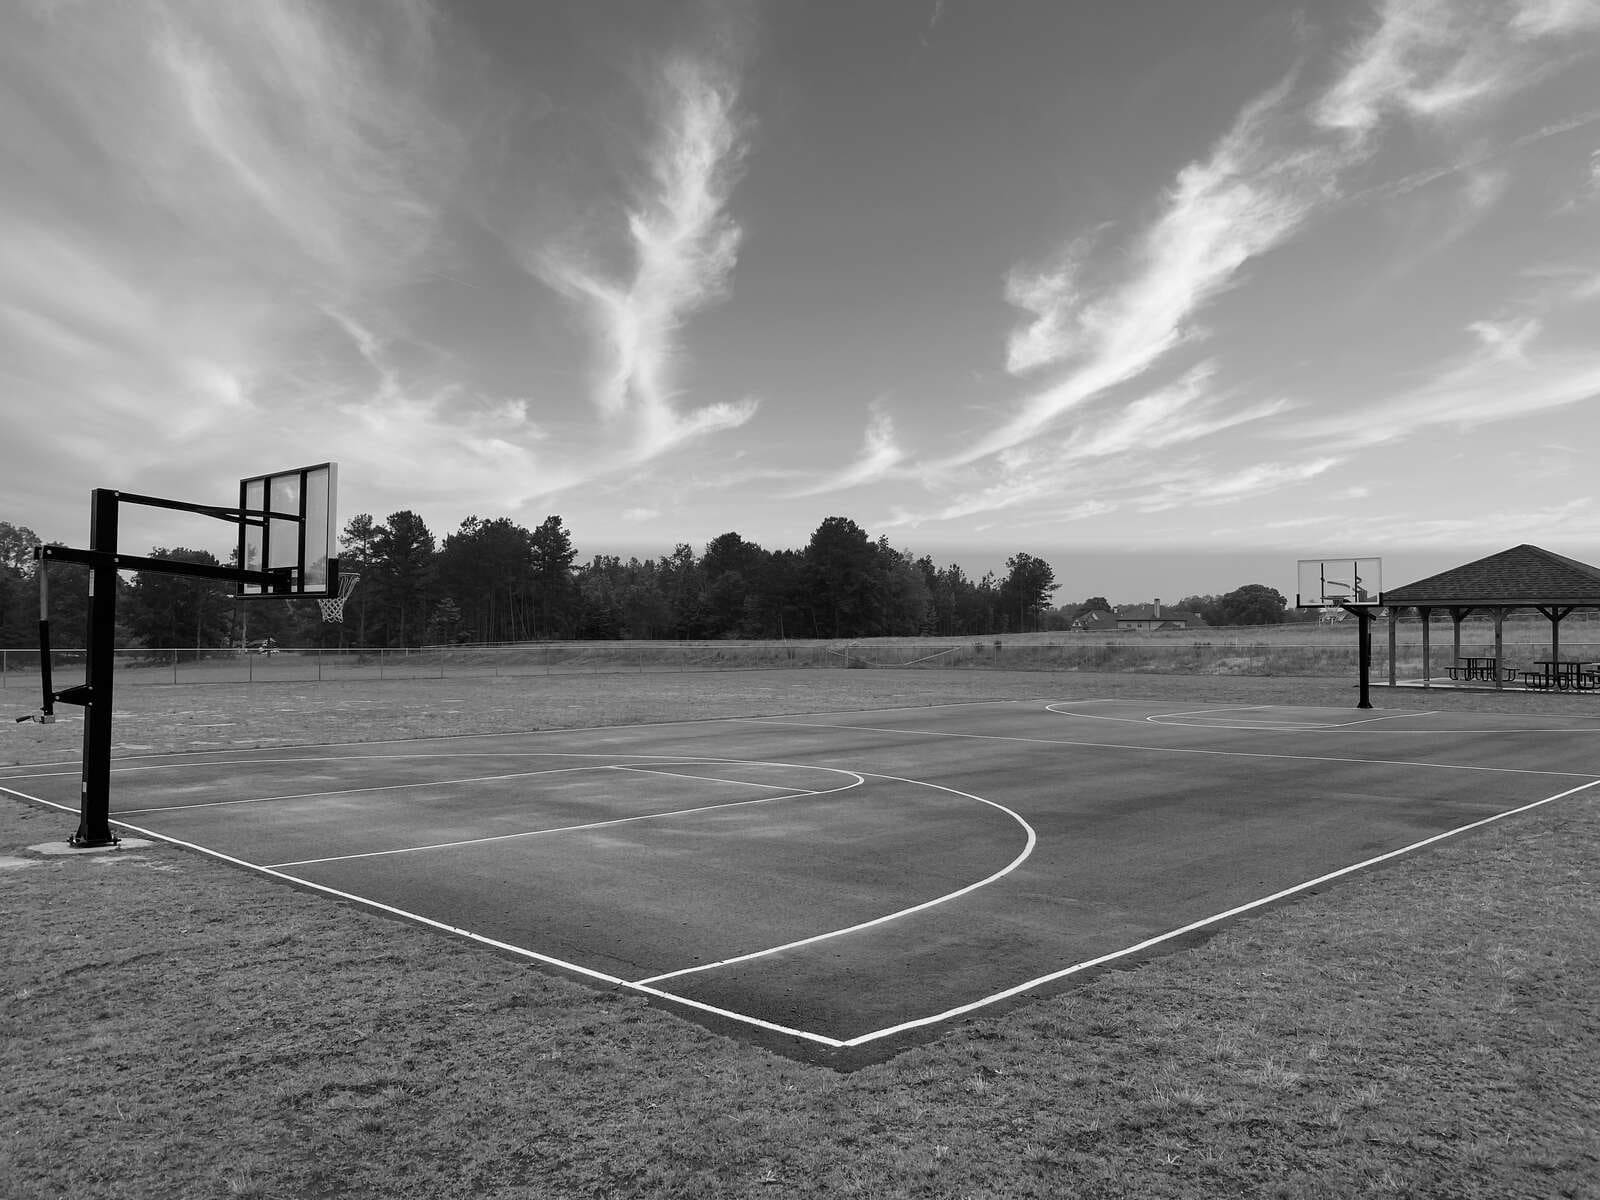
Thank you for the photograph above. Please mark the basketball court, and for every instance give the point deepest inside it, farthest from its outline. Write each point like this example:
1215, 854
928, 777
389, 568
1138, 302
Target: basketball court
831, 885
837, 884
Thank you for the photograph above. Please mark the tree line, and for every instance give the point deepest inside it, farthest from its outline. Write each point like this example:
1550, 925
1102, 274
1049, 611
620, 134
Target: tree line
493, 580
497, 581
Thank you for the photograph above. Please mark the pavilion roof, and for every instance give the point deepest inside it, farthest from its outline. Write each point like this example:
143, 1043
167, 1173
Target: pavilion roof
1523, 575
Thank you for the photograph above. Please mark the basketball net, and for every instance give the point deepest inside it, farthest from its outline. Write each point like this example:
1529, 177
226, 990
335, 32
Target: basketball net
333, 607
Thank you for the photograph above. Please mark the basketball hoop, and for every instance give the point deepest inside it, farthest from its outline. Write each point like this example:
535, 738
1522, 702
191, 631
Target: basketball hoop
333, 607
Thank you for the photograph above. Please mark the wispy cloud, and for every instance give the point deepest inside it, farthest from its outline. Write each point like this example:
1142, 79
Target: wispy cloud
1440, 60
1507, 340
189, 185
684, 245
1183, 412
1284, 162
1244, 198
435, 432
260, 88
1502, 379
1578, 520
1119, 457
880, 455
1052, 296
1209, 485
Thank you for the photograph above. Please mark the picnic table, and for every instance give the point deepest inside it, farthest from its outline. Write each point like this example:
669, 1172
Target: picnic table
1468, 668
1565, 675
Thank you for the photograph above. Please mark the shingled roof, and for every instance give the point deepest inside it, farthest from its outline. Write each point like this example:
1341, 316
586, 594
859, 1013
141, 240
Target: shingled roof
1524, 575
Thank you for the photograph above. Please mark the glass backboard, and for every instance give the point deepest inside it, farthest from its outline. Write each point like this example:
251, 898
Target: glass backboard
1353, 582
288, 527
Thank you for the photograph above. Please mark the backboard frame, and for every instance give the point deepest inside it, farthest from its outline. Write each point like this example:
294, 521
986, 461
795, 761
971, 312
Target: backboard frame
1349, 581
288, 525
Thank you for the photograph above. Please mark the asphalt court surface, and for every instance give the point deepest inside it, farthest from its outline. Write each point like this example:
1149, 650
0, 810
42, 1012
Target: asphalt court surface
836, 881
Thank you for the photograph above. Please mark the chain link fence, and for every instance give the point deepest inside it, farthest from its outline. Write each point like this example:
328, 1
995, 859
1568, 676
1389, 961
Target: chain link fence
1271, 651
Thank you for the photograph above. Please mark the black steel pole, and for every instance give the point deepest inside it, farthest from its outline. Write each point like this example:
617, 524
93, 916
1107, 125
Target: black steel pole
48, 713
1364, 632
94, 813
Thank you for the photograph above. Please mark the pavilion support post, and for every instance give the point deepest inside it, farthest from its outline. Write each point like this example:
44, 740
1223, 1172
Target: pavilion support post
1427, 670
1554, 614
1458, 614
1499, 615
1394, 621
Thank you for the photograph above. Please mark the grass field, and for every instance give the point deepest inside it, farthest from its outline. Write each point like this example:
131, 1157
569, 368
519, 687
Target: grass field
173, 1027
1299, 650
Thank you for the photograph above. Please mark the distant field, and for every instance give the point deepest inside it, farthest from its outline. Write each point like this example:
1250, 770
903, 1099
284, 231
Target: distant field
1298, 650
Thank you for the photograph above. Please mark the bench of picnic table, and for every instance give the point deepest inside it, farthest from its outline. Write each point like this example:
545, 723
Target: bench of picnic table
1566, 676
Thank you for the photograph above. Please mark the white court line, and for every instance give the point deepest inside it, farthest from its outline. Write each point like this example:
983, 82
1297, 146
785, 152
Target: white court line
528, 833
1064, 708
1193, 926
383, 787
773, 787
1201, 712
508, 947
1387, 717
1027, 849
1303, 723
1039, 741
1221, 715
425, 783
806, 1035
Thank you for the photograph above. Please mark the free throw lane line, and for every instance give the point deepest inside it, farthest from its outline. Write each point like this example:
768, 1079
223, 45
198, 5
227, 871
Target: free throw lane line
530, 833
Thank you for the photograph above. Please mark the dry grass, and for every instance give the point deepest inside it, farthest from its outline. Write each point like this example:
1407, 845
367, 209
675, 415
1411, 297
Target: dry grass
170, 1027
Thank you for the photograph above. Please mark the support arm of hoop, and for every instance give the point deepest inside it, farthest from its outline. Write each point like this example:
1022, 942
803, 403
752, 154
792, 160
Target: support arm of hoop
231, 515
135, 562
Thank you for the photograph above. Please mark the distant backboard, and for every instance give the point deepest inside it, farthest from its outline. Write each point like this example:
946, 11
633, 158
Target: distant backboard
1338, 582
288, 526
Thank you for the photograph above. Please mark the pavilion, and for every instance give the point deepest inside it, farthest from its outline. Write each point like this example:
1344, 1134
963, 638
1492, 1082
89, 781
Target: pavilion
1523, 577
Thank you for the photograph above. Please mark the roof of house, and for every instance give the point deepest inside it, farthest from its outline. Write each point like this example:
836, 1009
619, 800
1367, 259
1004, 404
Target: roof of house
1522, 575
1147, 612
1097, 619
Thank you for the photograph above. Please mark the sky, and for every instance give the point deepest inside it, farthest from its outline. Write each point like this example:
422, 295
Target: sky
1168, 294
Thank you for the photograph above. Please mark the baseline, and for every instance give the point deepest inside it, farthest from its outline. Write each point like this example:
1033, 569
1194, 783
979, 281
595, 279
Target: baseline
529, 833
